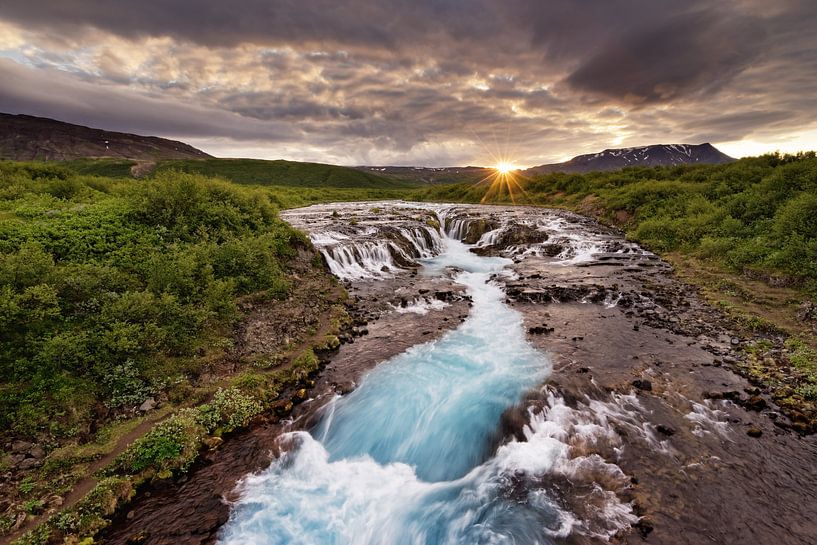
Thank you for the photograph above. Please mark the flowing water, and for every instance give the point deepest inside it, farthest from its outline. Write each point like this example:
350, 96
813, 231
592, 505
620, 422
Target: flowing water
411, 456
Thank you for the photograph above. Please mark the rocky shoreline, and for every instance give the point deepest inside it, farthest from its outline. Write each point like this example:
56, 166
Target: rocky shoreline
709, 457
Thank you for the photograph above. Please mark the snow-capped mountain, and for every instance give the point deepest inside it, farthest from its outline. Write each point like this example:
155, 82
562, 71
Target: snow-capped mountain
646, 156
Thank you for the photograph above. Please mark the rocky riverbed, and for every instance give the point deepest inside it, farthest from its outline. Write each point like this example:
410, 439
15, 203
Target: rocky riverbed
642, 392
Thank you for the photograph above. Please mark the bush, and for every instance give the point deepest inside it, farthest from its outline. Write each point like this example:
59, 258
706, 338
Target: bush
172, 445
230, 409
104, 283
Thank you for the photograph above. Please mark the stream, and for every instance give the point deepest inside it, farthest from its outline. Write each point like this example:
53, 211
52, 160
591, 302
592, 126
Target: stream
412, 455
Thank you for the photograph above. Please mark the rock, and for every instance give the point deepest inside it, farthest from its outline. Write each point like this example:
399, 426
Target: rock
644, 527
755, 403
539, 330
551, 250
138, 538
665, 430
147, 405
731, 395
20, 446
643, 384
37, 452
212, 443
28, 463
807, 312
754, 432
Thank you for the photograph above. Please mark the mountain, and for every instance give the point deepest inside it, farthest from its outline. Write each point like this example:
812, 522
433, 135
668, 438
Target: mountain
28, 138
646, 156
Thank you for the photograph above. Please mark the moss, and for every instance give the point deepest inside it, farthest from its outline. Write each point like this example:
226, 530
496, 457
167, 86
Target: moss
330, 342
801, 355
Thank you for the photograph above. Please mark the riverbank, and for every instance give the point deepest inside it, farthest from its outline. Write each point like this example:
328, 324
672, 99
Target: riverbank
636, 354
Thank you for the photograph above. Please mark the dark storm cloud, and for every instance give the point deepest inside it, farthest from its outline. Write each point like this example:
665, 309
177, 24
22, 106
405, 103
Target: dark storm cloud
363, 79
691, 52
51, 93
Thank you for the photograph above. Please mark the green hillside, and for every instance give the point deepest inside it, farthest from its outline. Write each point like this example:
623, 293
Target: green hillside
281, 173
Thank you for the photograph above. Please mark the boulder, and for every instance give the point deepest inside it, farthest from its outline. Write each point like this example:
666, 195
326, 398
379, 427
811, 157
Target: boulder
147, 405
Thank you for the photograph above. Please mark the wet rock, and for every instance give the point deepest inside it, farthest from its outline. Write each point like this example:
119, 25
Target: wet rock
644, 527
138, 538
520, 234
551, 250
539, 330
665, 430
754, 432
755, 403
642, 384
212, 443
730, 395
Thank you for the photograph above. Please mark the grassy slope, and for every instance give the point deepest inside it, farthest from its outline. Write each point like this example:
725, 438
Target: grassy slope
282, 173
745, 233
113, 290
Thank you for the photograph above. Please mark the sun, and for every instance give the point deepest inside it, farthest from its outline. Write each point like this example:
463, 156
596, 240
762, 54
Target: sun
504, 167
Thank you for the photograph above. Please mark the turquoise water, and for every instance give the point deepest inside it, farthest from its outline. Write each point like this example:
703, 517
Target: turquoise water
406, 457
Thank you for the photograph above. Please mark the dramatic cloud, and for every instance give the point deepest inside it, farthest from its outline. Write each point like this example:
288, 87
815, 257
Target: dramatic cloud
423, 82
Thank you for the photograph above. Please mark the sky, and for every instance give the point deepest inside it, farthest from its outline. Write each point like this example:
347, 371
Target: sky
420, 82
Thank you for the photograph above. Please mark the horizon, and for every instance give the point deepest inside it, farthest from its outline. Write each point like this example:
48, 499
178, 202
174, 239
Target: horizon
426, 85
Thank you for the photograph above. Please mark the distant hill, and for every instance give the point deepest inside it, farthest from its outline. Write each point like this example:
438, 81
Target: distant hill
29, 138
432, 175
283, 173
646, 156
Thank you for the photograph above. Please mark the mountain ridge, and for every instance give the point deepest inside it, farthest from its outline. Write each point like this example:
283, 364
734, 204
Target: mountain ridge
640, 156
30, 138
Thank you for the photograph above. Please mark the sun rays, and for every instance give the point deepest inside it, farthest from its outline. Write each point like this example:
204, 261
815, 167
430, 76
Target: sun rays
504, 180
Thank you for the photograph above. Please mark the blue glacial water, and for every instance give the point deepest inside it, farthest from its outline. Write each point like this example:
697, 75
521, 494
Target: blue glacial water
406, 457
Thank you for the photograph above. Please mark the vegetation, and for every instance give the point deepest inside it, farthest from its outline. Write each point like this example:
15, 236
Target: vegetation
114, 291
108, 287
282, 173
757, 215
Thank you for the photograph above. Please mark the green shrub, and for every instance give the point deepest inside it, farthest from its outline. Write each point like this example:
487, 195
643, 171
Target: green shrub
230, 409
172, 445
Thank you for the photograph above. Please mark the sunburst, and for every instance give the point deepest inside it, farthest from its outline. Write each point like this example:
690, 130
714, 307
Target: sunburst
504, 179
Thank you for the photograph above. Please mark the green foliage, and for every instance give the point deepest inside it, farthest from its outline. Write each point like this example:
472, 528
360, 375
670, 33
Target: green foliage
229, 410
171, 445
104, 284
92, 512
